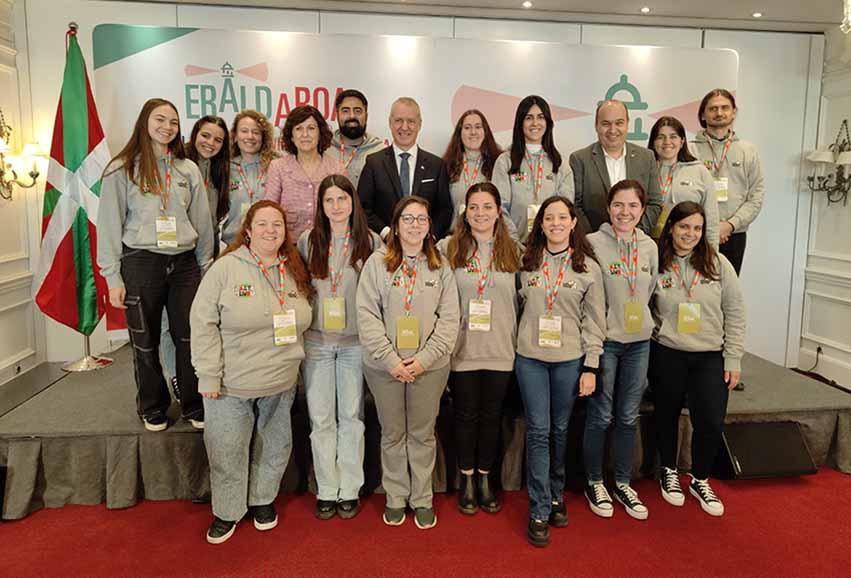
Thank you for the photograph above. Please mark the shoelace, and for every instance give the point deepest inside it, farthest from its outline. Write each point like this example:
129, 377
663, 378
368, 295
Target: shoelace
705, 490
631, 494
672, 482
600, 494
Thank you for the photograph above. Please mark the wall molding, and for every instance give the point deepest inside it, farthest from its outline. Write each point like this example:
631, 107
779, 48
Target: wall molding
21, 304
830, 255
828, 277
807, 334
15, 282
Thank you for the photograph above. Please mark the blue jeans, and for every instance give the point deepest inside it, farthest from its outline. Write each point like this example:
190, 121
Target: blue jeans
620, 387
548, 391
333, 382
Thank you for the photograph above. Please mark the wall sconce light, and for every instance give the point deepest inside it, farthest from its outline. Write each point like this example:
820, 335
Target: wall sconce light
837, 185
8, 176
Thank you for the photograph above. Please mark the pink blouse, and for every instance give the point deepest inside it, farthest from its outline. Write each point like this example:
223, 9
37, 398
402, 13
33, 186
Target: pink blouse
288, 185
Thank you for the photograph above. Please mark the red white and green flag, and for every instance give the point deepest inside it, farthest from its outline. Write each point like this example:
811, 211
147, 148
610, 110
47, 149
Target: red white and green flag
69, 286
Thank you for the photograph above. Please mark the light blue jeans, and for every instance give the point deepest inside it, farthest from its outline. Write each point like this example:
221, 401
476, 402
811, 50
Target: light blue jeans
333, 382
249, 442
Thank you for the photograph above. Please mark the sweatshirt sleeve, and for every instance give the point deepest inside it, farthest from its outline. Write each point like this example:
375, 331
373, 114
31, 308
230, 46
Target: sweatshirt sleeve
373, 335
274, 182
593, 318
566, 187
205, 336
710, 207
735, 320
202, 221
654, 201
441, 342
749, 209
502, 180
112, 212
303, 244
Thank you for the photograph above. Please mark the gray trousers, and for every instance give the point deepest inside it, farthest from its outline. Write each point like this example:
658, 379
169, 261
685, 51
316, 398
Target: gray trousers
407, 413
248, 442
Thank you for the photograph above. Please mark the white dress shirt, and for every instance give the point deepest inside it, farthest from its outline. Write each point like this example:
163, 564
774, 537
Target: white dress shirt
412, 163
616, 167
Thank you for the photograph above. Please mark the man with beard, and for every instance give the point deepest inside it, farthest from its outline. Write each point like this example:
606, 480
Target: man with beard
609, 160
351, 143
736, 168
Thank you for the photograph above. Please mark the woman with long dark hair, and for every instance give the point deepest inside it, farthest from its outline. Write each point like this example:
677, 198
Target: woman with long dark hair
696, 351
559, 343
155, 237
248, 321
485, 260
335, 250
532, 170
408, 323
682, 177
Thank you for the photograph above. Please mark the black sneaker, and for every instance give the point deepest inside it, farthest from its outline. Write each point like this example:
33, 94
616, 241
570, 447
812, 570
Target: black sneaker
394, 516
348, 509
599, 500
157, 422
629, 499
325, 509
425, 518
220, 530
710, 503
558, 515
265, 517
175, 388
671, 490
538, 533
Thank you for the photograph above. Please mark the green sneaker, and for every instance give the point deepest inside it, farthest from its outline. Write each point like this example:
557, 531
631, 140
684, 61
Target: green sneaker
425, 518
394, 516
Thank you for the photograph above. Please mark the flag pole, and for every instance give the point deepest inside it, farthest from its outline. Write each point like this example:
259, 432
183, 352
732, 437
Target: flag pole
88, 362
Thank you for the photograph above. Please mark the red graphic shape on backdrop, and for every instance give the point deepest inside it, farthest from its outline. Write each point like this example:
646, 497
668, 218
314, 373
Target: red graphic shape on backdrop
499, 108
192, 70
685, 113
257, 72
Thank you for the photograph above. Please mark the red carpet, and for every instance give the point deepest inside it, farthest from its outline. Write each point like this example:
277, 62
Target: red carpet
772, 528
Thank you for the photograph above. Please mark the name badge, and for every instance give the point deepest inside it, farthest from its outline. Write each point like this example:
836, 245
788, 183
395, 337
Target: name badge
633, 316
407, 332
243, 208
531, 213
334, 313
688, 318
285, 327
549, 331
660, 224
480, 315
166, 232
721, 187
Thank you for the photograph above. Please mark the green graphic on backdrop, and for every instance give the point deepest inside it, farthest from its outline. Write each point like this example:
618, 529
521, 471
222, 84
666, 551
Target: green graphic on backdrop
114, 42
632, 102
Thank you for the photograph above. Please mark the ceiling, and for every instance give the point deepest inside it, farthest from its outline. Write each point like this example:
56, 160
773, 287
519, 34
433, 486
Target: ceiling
789, 15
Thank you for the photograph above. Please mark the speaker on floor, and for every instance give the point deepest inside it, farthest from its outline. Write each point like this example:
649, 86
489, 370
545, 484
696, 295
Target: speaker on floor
763, 450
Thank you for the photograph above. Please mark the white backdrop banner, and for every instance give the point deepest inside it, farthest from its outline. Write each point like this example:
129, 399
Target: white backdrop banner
222, 72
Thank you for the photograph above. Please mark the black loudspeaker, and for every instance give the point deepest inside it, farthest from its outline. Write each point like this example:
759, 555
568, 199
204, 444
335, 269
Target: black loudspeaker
763, 450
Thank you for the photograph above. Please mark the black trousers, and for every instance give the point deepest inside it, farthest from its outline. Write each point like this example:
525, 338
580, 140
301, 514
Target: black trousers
734, 250
478, 398
674, 374
154, 281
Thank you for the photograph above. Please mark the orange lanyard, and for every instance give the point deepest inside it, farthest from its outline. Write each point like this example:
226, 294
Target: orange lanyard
552, 292
468, 180
631, 273
244, 181
536, 176
666, 187
689, 290
338, 276
480, 289
409, 288
346, 162
282, 276
716, 164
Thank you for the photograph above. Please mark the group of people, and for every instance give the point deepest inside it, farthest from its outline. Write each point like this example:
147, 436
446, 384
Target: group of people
244, 272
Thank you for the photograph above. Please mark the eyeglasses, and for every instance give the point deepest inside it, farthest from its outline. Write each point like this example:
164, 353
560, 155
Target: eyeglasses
409, 219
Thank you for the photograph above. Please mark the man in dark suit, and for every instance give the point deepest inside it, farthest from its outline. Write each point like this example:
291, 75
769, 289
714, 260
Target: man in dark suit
404, 169
609, 160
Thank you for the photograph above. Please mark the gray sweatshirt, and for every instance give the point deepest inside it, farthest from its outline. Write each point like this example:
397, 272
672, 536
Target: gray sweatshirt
128, 216
743, 169
494, 349
354, 164
232, 334
580, 303
347, 289
240, 193
381, 300
608, 248
722, 312
517, 190
692, 182
212, 196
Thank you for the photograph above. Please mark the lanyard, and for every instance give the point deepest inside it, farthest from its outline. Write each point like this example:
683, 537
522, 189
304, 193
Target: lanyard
243, 180
468, 180
666, 187
338, 276
676, 269
716, 164
631, 271
164, 195
347, 162
552, 292
536, 176
480, 289
409, 288
282, 272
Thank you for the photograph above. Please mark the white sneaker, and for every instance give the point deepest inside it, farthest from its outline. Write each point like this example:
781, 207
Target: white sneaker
631, 502
671, 490
599, 500
710, 503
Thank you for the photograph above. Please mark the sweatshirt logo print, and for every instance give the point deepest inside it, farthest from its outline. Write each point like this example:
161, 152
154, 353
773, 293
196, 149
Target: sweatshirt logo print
397, 281
244, 290
533, 281
471, 266
614, 268
666, 283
